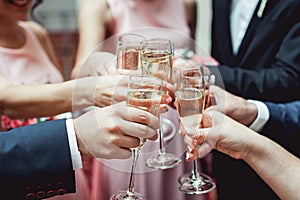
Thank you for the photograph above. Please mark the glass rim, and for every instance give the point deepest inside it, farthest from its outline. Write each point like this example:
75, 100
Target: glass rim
139, 79
121, 38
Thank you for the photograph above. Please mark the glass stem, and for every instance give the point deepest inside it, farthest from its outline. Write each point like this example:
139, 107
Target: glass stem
135, 155
195, 173
162, 149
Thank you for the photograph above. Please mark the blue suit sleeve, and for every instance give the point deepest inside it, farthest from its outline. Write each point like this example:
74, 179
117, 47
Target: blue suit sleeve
35, 161
284, 125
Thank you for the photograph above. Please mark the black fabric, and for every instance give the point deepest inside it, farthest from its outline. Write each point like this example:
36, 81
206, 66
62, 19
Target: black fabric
267, 67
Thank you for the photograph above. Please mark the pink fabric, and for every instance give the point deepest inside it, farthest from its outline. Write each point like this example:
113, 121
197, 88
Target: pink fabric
110, 176
28, 64
167, 14
31, 65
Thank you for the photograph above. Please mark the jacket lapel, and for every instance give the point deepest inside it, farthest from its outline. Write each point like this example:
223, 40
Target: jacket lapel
249, 39
221, 32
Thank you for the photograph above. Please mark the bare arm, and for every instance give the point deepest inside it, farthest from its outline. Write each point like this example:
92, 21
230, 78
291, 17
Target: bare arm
275, 165
24, 101
94, 21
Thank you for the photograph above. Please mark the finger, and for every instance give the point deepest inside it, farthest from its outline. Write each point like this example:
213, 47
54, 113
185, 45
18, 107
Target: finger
191, 145
122, 153
142, 117
189, 157
125, 141
217, 94
163, 109
206, 120
203, 150
168, 88
138, 130
153, 138
201, 134
166, 99
182, 131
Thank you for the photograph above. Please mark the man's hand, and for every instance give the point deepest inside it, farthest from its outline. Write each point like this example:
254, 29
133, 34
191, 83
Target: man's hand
110, 132
233, 106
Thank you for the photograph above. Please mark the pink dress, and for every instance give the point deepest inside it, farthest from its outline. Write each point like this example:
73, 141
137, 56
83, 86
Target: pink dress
28, 64
31, 65
166, 15
110, 176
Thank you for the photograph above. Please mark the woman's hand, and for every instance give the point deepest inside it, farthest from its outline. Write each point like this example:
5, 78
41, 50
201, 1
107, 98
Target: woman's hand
221, 133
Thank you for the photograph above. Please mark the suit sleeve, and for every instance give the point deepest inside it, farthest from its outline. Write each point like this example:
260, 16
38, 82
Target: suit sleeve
284, 125
35, 161
280, 75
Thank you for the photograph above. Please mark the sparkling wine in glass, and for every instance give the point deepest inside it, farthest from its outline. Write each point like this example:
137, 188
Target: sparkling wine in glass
144, 93
190, 103
157, 60
129, 51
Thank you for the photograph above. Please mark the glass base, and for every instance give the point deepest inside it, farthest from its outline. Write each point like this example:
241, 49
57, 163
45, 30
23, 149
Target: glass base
162, 161
125, 195
198, 185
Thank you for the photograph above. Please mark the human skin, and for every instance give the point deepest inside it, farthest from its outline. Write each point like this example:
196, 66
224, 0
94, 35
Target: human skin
101, 26
13, 36
275, 165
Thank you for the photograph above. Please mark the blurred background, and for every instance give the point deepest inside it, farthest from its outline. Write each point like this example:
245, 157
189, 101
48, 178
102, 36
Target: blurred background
60, 19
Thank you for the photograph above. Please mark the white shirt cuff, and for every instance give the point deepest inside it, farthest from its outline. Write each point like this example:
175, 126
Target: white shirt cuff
262, 116
75, 153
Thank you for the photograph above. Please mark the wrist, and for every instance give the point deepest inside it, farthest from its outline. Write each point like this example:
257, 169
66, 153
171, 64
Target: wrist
256, 148
83, 91
252, 112
81, 147
64, 93
262, 116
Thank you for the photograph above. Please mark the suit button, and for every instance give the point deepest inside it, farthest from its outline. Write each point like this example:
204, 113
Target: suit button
51, 193
40, 194
61, 191
30, 196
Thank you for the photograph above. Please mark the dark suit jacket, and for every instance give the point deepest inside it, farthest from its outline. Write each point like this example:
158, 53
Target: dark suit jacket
35, 162
267, 67
284, 125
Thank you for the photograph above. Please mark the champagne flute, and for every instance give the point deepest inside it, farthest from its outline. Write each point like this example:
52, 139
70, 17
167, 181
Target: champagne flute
190, 102
129, 51
144, 92
157, 60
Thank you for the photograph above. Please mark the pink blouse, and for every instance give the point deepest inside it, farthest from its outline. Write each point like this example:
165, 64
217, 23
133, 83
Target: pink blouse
29, 64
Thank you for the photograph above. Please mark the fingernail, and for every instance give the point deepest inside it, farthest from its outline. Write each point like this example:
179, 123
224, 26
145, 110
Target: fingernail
169, 99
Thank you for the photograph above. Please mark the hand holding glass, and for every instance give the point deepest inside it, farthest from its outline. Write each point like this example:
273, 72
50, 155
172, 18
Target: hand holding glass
190, 102
157, 60
144, 92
